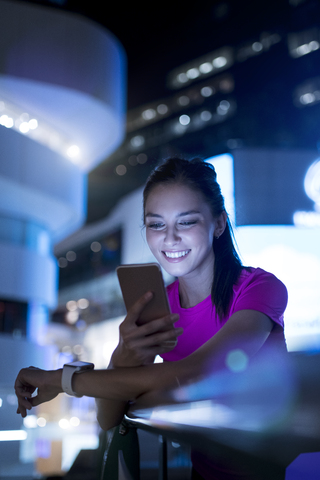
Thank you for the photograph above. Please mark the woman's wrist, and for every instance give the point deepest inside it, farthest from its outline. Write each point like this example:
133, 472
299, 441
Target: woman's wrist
56, 378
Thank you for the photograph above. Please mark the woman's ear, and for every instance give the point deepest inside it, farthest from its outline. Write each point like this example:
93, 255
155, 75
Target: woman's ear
221, 223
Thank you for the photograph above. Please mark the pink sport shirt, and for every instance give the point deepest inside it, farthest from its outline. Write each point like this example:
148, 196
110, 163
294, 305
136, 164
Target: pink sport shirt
256, 289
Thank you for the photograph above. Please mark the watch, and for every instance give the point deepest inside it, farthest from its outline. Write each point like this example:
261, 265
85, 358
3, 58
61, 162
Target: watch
67, 373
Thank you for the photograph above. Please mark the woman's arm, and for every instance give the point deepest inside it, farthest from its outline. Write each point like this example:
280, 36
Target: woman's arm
246, 329
138, 345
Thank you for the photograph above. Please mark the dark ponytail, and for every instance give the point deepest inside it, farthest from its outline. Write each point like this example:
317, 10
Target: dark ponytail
201, 176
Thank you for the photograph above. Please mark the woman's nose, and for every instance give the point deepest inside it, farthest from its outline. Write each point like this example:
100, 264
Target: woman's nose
171, 237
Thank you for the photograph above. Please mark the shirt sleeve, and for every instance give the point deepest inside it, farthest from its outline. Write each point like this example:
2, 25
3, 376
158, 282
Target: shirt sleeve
264, 292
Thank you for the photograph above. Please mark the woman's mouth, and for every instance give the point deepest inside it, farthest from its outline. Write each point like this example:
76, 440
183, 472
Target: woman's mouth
176, 255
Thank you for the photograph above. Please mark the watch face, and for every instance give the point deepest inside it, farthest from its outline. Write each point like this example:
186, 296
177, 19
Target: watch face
80, 364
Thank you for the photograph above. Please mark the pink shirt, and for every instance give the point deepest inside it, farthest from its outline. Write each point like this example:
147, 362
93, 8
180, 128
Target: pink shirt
256, 289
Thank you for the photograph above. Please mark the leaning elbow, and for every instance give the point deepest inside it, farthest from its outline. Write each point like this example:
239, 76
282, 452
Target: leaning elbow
108, 423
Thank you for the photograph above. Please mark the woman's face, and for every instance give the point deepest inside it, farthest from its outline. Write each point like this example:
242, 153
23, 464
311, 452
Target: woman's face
180, 229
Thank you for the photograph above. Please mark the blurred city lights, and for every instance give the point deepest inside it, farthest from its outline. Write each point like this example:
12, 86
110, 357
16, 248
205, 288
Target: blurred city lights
6, 121
149, 114
257, 47
206, 67
71, 305
193, 73
223, 107
12, 435
305, 49
74, 421
62, 262
207, 91
162, 109
71, 256
33, 124
203, 66
311, 218
184, 120
78, 350
182, 78
184, 100
41, 422
137, 141
237, 360
219, 62
83, 303
64, 423
312, 182
142, 158
132, 160
121, 170
205, 116
73, 151
72, 317
30, 421
95, 246
24, 127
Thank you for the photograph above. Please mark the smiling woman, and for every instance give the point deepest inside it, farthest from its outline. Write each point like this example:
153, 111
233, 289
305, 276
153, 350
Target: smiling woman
188, 193
180, 230
218, 307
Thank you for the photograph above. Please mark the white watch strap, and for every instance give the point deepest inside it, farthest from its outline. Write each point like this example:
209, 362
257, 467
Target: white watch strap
66, 380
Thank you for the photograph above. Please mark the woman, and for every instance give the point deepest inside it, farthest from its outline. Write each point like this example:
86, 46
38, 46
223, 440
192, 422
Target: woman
216, 303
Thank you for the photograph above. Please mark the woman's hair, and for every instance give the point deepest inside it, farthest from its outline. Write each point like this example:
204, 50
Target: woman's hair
200, 176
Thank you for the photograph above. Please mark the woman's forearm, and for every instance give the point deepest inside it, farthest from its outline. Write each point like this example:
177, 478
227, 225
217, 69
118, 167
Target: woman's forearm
247, 330
127, 384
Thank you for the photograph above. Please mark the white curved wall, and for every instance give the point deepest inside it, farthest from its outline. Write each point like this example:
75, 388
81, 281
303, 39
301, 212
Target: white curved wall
66, 75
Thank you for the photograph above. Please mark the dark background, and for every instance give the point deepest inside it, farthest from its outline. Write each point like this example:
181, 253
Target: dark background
159, 37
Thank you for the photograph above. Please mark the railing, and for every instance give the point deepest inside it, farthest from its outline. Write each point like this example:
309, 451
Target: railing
261, 422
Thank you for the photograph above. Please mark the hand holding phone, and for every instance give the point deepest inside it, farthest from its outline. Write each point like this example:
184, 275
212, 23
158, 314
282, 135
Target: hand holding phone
148, 329
136, 280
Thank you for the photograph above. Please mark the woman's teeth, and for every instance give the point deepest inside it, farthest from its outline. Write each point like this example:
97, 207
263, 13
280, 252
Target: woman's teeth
176, 254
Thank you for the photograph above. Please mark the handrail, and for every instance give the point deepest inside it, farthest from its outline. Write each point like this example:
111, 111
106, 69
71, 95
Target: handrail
262, 422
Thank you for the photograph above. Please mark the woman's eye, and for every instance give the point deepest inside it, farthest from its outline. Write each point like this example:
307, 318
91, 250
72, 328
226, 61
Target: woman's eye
155, 226
188, 223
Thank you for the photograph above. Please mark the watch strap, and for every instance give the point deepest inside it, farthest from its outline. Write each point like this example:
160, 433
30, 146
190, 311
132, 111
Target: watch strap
66, 380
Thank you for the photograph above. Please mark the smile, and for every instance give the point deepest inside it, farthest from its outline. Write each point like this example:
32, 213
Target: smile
176, 254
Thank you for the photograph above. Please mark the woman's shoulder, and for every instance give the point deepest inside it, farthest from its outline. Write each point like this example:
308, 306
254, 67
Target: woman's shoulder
253, 273
256, 276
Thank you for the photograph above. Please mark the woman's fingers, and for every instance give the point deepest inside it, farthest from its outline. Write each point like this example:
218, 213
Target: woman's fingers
47, 384
167, 339
139, 344
152, 333
159, 325
137, 308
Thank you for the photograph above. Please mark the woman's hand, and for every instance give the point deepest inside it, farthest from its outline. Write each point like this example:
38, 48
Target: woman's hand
29, 380
139, 344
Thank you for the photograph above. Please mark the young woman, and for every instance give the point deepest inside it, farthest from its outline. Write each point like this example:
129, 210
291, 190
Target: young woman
216, 304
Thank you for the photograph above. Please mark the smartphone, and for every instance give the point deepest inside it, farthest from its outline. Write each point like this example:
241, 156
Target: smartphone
136, 280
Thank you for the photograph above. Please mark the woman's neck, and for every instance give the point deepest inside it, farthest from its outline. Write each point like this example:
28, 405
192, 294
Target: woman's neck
193, 291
